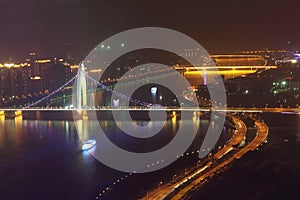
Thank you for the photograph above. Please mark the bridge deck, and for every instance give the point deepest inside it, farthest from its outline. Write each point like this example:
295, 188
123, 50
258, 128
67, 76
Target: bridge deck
192, 109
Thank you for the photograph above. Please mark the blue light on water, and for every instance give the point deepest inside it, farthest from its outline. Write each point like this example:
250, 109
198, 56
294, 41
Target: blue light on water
88, 145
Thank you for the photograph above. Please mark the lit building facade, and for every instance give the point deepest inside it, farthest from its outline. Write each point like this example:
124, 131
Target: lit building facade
34, 77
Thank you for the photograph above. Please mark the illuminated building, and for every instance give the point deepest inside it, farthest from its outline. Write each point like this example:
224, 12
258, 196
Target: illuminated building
14, 79
35, 76
7, 82
49, 74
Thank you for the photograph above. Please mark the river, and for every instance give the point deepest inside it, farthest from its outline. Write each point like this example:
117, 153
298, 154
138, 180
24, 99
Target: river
42, 159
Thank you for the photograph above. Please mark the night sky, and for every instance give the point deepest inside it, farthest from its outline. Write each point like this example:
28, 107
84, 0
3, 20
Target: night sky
55, 27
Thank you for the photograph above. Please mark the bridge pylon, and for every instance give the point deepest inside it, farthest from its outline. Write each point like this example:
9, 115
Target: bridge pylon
81, 93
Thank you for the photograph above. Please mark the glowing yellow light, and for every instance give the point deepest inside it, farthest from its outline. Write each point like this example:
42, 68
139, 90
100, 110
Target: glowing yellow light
42, 61
9, 65
95, 70
220, 72
174, 113
294, 61
223, 67
74, 66
36, 78
18, 112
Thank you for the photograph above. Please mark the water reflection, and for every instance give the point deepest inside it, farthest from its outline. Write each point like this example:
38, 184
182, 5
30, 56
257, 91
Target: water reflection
89, 152
298, 128
18, 121
2, 120
174, 123
82, 129
49, 123
67, 127
53, 152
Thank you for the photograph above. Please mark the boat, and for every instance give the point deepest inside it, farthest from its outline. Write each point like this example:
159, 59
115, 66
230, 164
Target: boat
88, 144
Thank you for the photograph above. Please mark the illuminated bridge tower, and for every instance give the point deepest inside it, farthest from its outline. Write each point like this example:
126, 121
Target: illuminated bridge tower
81, 93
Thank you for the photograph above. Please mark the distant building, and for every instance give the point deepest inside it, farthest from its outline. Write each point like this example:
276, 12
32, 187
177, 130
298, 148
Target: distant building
49, 74
14, 80
34, 77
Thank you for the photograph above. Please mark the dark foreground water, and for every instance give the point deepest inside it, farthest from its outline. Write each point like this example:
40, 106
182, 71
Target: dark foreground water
273, 172
43, 160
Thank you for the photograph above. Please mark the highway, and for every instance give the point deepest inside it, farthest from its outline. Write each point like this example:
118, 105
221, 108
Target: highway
184, 187
237, 138
164, 190
261, 136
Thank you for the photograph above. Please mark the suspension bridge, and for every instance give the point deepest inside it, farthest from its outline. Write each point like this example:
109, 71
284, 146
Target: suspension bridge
82, 104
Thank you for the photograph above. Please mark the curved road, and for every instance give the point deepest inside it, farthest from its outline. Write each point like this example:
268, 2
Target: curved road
166, 189
261, 136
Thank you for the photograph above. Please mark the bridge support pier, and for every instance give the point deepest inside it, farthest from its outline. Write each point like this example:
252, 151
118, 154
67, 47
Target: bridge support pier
13, 114
81, 114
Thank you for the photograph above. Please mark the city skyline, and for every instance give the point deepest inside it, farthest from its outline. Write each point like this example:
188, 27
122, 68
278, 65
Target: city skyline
149, 99
73, 28
39, 77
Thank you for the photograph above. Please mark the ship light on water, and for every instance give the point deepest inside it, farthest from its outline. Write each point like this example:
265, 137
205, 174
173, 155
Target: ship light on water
88, 145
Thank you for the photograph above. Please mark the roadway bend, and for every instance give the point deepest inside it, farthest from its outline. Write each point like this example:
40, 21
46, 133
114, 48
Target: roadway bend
185, 188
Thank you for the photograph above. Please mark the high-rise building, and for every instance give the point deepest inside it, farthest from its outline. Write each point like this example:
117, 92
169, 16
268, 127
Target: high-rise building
49, 74
35, 77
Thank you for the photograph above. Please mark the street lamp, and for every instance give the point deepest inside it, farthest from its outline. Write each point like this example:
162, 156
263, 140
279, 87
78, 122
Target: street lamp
174, 176
198, 162
159, 184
